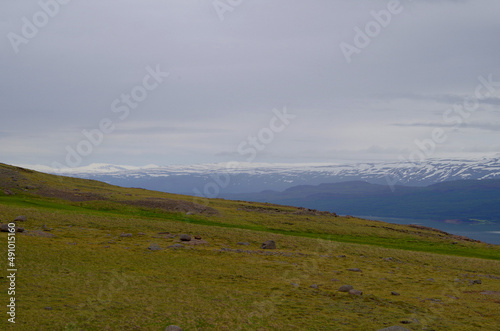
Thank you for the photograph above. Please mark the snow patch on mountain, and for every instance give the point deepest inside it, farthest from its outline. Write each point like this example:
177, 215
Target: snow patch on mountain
238, 177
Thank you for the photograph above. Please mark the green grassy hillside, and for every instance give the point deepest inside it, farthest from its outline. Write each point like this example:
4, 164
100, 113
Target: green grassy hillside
84, 263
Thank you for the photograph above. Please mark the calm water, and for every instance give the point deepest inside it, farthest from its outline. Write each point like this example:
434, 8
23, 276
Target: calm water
489, 233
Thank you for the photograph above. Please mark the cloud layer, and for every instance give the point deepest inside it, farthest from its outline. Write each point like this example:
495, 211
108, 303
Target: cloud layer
229, 64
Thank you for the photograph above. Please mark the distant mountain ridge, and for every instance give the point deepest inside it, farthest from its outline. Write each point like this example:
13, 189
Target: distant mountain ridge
212, 180
464, 200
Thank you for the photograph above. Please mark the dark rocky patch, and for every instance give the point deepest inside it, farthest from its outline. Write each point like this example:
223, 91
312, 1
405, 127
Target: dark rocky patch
171, 205
176, 246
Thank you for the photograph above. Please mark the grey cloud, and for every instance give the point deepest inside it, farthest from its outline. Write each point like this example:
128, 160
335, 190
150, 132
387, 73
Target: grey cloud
227, 76
477, 126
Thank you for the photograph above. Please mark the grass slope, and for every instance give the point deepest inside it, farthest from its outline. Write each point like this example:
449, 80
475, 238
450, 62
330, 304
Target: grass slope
84, 275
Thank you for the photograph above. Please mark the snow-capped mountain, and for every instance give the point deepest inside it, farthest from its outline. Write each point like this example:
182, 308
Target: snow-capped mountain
211, 180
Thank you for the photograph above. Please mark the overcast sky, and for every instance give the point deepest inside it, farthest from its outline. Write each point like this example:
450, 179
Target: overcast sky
192, 81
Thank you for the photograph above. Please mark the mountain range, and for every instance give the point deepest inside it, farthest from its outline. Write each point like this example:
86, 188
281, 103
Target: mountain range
214, 180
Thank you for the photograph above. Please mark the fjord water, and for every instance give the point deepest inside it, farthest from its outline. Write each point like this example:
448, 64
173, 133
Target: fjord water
488, 232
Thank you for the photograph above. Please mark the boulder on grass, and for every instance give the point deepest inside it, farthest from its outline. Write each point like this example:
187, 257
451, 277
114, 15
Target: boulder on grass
173, 328
154, 247
355, 292
185, 237
21, 218
270, 244
346, 288
394, 328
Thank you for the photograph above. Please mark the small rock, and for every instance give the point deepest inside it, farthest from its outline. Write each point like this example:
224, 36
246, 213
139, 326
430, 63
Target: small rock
243, 243
355, 270
126, 235
315, 286
496, 293
430, 279
141, 234
154, 247
395, 293
173, 328
20, 230
185, 237
270, 244
197, 237
8, 192
39, 233
345, 288
46, 228
189, 213
294, 284
176, 246
4, 227
48, 308
21, 219
342, 256
476, 281
394, 328
355, 292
